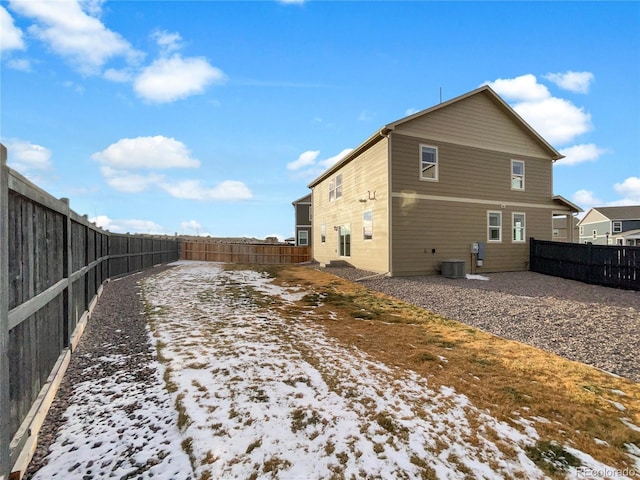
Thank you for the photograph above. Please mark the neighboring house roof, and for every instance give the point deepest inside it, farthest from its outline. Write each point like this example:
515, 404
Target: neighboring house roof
305, 199
384, 131
631, 212
566, 203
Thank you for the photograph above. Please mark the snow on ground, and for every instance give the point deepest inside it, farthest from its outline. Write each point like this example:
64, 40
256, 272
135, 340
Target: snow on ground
268, 394
262, 392
118, 427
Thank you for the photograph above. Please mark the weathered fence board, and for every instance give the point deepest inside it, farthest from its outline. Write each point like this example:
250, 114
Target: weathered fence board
607, 265
53, 263
260, 254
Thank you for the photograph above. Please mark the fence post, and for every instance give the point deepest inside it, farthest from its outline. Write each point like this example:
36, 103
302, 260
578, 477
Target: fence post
67, 253
5, 433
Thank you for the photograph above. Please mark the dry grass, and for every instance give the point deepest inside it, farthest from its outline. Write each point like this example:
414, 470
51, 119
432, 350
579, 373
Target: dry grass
570, 403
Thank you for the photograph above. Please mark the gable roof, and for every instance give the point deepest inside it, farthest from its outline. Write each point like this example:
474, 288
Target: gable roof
305, 199
384, 131
629, 212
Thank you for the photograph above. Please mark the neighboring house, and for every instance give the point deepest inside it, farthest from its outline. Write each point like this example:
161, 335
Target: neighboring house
560, 233
611, 226
426, 188
302, 208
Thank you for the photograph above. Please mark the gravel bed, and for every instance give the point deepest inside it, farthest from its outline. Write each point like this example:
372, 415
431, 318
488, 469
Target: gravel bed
596, 325
116, 328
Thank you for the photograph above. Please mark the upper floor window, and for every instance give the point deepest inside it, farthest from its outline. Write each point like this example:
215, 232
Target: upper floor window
518, 227
428, 163
617, 227
595, 234
494, 226
581, 229
335, 188
517, 175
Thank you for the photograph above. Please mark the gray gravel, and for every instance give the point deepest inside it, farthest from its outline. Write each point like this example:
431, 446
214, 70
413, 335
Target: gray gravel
599, 326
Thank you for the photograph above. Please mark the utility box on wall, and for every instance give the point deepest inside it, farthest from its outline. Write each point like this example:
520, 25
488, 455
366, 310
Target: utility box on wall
453, 268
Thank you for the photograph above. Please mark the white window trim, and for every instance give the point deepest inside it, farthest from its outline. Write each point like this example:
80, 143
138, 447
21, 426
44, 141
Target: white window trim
613, 227
513, 227
332, 190
437, 164
595, 234
582, 230
523, 175
323, 233
300, 238
489, 227
338, 186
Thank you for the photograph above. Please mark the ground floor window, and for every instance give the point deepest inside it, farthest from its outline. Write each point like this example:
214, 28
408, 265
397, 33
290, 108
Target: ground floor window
518, 227
344, 239
323, 233
494, 226
303, 238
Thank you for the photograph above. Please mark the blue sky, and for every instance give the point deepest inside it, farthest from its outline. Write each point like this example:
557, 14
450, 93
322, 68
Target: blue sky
210, 117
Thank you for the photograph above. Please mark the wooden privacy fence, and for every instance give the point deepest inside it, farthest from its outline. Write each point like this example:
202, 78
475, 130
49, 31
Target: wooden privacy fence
53, 263
608, 265
261, 254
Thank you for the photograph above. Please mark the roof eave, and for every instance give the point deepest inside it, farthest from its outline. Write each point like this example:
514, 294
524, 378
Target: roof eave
353, 154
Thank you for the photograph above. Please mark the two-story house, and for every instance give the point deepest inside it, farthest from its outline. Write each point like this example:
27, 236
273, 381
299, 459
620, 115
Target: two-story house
302, 214
561, 232
467, 179
611, 226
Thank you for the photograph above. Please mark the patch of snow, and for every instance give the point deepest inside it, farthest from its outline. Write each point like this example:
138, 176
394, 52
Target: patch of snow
632, 426
476, 277
618, 405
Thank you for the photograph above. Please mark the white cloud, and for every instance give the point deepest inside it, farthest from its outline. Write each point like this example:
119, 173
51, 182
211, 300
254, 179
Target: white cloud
410, 111
190, 225
26, 156
125, 181
194, 190
577, 82
10, 35
629, 189
156, 152
305, 159
168, 42
585, 199
74, 34
328, 162
588, 152
524, 88
558, 120
127, 225
175, 78
119, 76
314, 167
21, 64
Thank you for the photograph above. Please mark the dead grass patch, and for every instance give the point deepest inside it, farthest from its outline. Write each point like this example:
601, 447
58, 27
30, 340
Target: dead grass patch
507, 378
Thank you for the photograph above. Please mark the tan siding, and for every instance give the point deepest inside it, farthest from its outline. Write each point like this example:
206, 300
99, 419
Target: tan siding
419, 226
361, 178
468, 172
477, 121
